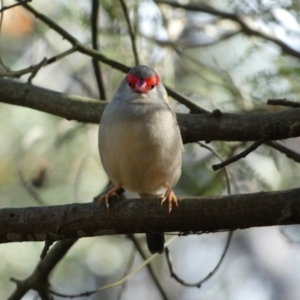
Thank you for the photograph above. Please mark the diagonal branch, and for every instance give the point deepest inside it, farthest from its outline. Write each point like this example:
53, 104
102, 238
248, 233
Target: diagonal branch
97, 55
285, 150
193, 107
77, 44
244, 153
31, 69
114, 284
21, 2
245, 27
38, 280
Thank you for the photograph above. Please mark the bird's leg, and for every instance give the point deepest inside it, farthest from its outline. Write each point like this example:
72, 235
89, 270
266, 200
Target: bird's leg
170, 197
107, 195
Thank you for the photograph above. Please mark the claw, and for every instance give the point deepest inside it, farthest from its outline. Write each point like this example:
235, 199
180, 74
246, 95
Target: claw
109, 194
170, 197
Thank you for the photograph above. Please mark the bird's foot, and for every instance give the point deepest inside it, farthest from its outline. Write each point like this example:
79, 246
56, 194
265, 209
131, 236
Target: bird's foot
110, 193
170, 197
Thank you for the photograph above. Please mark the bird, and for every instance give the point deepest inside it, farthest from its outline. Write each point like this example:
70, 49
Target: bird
140, 144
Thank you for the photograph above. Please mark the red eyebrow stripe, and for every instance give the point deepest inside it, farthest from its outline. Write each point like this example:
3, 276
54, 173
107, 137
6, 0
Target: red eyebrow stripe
152, 80
149, 80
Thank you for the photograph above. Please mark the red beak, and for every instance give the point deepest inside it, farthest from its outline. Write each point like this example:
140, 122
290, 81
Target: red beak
140, 87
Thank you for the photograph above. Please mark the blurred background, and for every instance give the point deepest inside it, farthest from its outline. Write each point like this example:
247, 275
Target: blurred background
46, 160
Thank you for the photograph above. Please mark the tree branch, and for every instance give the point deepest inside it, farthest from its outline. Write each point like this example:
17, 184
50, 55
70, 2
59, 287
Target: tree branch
71, 107
76, 44
193, 107
245, 27
33, 68
242, 154
194, 215
210, 274
138, 247
284, 102
21, 2
38, 280
98, 56
285, 150
194, 127
131, 33
95, 63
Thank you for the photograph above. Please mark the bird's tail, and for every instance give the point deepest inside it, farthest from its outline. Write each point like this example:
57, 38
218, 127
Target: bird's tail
155, 242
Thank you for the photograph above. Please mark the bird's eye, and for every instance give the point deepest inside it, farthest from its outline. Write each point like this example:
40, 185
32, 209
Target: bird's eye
129, 83
152, 86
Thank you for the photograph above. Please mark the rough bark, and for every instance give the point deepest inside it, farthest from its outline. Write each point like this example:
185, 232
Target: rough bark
203, 214
194, 127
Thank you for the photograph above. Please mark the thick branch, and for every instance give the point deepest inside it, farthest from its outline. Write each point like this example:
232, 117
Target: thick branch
203, 214
194, 127
66, 106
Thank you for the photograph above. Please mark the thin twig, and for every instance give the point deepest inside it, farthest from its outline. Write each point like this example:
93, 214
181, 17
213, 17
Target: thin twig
283, 102
17, 74
167, 252
245, 27
78, 45
240, 155
21, 2
96, 64
128, 268
138, 247
193, 107
114, 284
199, 283
38, 280
114, 64
194, 43
283, 149
48, 244
131, 33
219, 157
36, 69
79, 174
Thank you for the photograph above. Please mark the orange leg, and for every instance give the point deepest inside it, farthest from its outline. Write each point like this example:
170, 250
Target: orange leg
170, 197
109, 194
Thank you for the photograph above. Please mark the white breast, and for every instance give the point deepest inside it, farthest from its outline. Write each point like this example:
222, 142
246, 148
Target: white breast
140, 146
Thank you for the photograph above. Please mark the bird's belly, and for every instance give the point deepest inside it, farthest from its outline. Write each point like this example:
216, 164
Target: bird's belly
143, 160
144, 170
